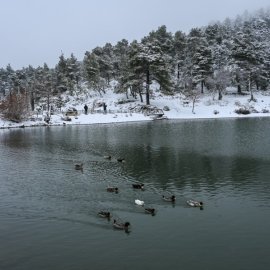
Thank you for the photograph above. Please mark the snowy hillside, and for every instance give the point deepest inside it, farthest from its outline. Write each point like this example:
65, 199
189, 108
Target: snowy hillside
119, 109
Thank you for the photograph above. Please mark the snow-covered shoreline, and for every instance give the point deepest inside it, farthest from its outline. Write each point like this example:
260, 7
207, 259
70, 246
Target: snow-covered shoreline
205, 108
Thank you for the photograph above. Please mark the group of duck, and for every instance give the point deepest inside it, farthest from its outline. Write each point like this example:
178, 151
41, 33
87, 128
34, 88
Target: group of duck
80, 166
148, 210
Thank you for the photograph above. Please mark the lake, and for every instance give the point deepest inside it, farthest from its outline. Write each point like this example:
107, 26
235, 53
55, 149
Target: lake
49, 211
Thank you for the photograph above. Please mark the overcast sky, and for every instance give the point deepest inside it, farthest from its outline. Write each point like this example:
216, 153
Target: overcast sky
37, 31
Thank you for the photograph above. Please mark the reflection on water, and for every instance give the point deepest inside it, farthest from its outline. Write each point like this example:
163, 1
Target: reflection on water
48, 210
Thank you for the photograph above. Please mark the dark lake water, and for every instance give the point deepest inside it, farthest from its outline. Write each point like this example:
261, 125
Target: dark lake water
48, 210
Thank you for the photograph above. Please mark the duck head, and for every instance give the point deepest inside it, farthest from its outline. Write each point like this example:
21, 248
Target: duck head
127, 224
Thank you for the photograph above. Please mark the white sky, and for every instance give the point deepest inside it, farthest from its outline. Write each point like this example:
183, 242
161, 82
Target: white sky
37, 31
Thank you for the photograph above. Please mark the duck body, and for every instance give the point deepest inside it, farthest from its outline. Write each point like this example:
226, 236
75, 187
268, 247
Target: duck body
121, 225
79, 166
138, 186
194, 203
104, 214
108, 157
121, 160
151, 211
168, 199
113, 189
139, 202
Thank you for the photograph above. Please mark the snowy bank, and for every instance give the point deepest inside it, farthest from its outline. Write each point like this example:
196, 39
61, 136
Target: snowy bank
174, 107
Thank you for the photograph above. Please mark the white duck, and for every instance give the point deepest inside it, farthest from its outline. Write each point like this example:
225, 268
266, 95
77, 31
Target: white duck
194, 203
139, 202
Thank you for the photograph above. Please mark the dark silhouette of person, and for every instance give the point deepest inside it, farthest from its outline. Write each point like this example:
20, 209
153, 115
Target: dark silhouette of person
85, 108
104, 107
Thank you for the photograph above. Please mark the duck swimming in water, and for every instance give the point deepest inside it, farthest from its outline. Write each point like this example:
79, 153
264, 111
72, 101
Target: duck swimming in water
194, 203
113, 189
169, 199
104, 214
138, 186
151, 211
79, 166
120, 225
138, 202
121, 160
108, 157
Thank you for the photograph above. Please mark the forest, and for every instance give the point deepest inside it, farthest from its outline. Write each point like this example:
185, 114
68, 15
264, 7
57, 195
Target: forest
233, 53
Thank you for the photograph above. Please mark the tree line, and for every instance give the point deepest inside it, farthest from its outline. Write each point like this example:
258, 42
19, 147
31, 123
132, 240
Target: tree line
231, 53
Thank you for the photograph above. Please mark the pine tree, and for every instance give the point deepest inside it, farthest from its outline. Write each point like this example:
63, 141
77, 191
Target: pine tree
3, 82
92, 72
246, 56
148, 63
162, 38
179, 55
199, 56
104, 58
120, 60
30, 85
73, 73
61, 74
131, 78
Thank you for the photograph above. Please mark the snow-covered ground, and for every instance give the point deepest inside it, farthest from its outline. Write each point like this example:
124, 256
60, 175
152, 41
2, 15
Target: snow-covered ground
179, 108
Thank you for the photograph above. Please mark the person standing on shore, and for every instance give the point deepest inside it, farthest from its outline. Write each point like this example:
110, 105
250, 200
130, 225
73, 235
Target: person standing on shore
104, 107
85, 109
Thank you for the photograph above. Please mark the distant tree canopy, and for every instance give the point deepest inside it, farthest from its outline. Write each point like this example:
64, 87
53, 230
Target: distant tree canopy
232, 53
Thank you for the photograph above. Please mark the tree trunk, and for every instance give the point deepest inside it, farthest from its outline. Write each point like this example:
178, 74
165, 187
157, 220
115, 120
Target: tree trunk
141, 97
250, 89
202, 83
257, 85
32, 101
178, 71
193, 104
131, 92
239, 90
48, 103
147, 94
219, 95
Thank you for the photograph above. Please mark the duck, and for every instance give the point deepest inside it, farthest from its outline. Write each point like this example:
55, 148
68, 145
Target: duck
104, 214
138, 186
79, 166
120, 225
121, 160
169, 199
138, 202
112, 189
151, 211
194, 203
108, 157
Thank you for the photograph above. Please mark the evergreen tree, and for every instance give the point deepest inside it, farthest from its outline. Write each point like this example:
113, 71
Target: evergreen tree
246, 56
179, 55
162, 38
219, 82
61, 74
131, 78
199, 56
3, 82
148, 63
92, 72
73, 73
46, 84
120, 60
104, 57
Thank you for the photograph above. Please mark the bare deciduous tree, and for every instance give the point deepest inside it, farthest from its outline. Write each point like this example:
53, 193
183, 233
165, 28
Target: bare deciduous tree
15, 106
